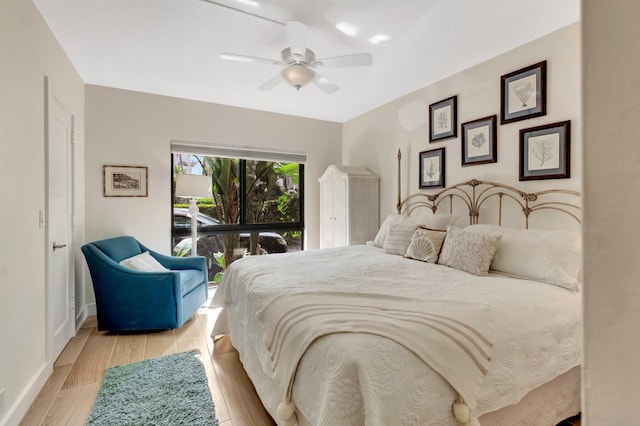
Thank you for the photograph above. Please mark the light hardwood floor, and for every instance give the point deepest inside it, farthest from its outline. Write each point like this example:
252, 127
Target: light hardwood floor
68, 396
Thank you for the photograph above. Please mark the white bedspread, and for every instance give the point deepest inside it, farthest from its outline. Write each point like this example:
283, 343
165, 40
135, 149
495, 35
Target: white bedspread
353, 379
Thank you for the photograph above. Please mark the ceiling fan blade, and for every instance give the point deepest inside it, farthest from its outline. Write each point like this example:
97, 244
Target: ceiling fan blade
245, 58
325, 85
355, 60
297, 36
271, 83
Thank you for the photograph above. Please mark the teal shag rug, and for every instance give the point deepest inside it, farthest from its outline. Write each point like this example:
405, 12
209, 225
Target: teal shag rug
171, 390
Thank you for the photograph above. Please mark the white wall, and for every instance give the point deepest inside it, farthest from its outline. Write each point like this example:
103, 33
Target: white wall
28, 52
373, 139
132, 128
611, 64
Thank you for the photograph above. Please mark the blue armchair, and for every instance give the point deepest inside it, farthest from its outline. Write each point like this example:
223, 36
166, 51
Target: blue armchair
129, 300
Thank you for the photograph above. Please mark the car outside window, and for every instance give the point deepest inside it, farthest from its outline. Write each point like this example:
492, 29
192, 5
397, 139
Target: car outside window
257, 207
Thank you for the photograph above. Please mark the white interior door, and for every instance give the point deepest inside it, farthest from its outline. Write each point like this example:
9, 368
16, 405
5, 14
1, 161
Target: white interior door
60, 286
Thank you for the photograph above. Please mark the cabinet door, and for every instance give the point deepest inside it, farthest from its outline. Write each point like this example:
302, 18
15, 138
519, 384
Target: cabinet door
326, 212
339, 212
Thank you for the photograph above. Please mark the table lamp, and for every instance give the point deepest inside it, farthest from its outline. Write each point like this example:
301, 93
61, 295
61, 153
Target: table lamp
192, 187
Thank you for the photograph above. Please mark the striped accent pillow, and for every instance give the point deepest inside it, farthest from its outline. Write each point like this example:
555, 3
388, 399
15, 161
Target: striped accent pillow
398, 238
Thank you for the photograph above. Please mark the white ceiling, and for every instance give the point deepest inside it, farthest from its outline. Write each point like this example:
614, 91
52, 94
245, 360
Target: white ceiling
172, 47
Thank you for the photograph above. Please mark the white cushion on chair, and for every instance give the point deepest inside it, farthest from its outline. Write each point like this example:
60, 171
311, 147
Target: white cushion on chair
143, 262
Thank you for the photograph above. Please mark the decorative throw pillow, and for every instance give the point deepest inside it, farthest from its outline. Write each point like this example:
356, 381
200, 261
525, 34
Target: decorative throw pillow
398, 238
143, 262
392, 219
431, 221
468, 251
553, 257
425, 245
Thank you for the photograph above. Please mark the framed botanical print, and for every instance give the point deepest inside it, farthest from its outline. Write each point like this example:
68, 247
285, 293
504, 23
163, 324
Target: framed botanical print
432, 167
480, 141
523, 93
545, 151
443, 119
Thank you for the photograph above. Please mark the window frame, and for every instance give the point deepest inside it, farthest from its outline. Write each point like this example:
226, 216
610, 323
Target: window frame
243, 227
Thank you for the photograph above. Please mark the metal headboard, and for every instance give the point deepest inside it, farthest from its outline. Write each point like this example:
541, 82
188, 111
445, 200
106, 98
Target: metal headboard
474, 193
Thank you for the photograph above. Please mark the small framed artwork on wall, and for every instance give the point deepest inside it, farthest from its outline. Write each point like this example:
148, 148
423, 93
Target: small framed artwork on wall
443, 119
545, 151
480, 141
523, 93
432, 168
125, 181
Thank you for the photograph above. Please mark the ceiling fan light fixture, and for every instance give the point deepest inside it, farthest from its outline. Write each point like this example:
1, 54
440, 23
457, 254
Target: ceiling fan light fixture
298, 75
300, 62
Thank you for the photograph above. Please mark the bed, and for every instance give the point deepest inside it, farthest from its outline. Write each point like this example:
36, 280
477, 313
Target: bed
350, 354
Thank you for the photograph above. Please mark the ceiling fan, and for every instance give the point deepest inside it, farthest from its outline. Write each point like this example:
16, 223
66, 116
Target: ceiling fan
299, 62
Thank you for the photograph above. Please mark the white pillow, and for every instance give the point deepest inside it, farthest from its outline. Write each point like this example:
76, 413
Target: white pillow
143, 262
431, 221
398, 238
438, 222
468, 251
425, 245
392, 219
553, 257
487, 229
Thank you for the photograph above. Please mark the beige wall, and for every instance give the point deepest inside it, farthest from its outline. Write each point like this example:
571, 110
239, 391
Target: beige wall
611, 63
133, 128
28, 53
374, 138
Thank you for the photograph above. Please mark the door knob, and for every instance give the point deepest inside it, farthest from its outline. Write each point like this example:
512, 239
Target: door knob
58, 246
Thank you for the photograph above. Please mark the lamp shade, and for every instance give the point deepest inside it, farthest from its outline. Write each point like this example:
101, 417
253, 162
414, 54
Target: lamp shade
193, 186
298, 75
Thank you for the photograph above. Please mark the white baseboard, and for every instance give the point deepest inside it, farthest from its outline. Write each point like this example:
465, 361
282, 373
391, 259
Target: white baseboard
80, 318
91, 309
27, 397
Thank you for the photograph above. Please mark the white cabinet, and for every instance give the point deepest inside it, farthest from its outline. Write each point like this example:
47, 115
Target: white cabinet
349, 206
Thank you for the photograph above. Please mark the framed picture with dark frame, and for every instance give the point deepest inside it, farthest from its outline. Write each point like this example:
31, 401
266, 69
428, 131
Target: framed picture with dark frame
523, 93
125, 181
432, 168
480, 141
443, 119
545, 151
